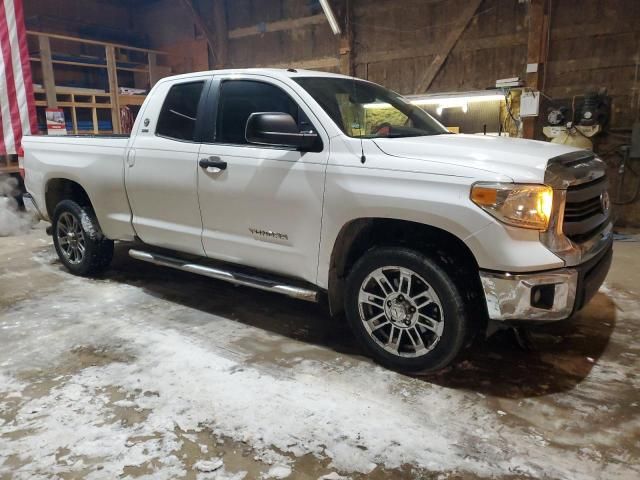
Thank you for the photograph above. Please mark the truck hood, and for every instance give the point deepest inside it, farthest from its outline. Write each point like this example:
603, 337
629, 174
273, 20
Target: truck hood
521, 160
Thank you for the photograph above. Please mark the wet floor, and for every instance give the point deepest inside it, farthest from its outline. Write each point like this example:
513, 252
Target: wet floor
153, 373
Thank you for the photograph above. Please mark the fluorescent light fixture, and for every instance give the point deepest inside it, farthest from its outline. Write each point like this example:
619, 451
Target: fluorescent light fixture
331, 18
447, 100
462, 97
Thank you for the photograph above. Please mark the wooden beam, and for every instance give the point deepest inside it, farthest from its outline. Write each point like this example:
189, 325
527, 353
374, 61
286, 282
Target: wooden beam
202, 26
321, 62
47, 71
154, 73
466, 15
280, 25
91, 42
112, 74
536, 53
222, 41
347, 65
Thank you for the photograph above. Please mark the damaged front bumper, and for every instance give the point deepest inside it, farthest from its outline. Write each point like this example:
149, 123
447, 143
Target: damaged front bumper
544, 296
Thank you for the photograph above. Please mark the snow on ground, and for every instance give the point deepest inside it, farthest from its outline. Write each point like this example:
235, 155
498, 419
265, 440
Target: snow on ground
173, 369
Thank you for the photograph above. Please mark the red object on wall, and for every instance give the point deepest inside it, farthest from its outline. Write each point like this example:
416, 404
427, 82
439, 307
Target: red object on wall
17, 103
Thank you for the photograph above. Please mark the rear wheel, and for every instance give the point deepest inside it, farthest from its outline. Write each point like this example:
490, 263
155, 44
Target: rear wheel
79, 242
405, 309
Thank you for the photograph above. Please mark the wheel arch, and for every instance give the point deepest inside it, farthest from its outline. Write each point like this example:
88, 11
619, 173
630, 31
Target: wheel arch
59, 189
360, 235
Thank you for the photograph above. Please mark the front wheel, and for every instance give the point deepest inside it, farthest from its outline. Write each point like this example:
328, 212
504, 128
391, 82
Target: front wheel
405, 310
78, 240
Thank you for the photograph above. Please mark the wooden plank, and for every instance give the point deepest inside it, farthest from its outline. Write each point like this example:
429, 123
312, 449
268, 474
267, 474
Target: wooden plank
93, 42
89, 65
590, 63
94, 120
536, 48
10, 169
278, 26
322, 62
112, 73
221, 31
471, 45
131, 99
466, 15
48, 77
567, 32
202, 26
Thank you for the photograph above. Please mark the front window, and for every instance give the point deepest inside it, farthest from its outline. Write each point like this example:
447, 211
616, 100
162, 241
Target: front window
240, 98
365, 110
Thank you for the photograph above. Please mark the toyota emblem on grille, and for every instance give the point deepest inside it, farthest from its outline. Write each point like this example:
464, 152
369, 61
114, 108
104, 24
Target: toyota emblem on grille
605, 202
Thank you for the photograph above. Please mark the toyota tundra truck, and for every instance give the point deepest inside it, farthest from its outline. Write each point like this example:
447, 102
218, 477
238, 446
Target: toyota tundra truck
332, 189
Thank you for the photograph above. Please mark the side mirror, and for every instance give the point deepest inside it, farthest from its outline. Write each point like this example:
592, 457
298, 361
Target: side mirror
278, 129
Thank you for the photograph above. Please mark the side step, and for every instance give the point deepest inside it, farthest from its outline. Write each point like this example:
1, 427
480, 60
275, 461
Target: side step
237, 278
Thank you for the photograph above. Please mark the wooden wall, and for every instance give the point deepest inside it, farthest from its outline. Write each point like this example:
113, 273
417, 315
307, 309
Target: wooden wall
591, 43
396, 41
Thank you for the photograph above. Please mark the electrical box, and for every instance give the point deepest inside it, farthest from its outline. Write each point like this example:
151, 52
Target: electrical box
529, 104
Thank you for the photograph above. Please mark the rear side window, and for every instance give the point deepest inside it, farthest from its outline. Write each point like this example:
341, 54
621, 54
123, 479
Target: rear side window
179, 112
240, 98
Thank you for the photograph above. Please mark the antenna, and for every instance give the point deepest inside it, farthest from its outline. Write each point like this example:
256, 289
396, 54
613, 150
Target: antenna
363, 158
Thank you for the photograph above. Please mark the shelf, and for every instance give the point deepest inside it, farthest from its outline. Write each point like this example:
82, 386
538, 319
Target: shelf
91, 65
114, 61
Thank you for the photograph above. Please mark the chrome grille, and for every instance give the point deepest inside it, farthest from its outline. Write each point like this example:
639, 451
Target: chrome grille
586, 210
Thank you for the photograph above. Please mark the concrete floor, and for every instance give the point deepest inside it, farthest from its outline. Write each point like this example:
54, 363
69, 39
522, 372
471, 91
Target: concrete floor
153, 373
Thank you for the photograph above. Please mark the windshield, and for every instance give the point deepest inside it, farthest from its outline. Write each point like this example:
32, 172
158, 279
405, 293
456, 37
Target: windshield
365, 110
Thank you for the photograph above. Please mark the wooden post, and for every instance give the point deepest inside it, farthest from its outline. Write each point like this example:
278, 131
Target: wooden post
536, 54
74, 120
112, 72
94, 116
154, 75
347, 66
221, 32
47, 71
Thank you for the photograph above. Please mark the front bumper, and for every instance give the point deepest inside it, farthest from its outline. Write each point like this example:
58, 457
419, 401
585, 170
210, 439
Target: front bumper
544, 296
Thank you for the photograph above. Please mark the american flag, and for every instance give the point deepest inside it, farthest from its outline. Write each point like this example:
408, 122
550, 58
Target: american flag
17, 104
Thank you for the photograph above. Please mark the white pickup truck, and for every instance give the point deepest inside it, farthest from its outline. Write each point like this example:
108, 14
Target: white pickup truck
329, 188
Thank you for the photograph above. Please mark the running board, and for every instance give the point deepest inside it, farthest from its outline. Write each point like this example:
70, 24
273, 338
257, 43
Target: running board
237, 278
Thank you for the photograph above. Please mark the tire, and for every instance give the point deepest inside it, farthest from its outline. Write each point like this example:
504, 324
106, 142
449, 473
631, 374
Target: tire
79, 241
426, 321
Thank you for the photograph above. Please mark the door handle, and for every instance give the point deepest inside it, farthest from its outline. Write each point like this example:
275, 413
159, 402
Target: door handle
131, 157
213, 164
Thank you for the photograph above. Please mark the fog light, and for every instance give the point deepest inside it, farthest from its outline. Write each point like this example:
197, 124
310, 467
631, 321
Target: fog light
543, 296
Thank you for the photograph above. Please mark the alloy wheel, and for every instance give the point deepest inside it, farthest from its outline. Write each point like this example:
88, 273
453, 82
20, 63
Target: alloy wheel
401, 311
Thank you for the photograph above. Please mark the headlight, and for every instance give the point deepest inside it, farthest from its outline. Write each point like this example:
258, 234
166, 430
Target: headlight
521, 205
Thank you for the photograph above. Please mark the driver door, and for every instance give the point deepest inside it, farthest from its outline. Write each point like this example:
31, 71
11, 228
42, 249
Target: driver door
264, 207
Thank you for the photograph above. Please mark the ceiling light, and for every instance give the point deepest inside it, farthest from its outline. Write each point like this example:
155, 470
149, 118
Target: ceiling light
333, 23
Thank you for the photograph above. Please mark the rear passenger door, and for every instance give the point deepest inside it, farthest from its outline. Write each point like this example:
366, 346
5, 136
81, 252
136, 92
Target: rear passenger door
161, 170
264, 209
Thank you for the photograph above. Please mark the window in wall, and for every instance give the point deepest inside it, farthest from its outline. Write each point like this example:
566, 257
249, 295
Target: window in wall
179, 111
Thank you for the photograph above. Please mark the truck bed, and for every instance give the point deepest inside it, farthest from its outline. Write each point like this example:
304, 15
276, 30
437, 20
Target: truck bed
94, 162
